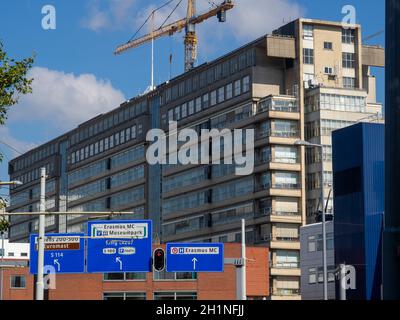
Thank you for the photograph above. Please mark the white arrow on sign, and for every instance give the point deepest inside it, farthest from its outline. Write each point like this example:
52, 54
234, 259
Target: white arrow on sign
118, 259
194, 260
58, 265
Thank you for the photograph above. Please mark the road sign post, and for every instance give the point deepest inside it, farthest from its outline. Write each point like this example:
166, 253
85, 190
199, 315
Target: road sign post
119, 246
65, 252
195, 257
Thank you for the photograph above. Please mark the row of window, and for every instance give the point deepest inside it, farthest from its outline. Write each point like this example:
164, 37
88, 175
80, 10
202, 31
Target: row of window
31, 226
348, 35
325, 127
38, 155
317, 274
209, 76
120, 115
119, 179
34, 174
208, 100
105, 144
161, 295
280, 180
32, 194
279, 128
336, 102
348, 59
116, 201
313, 155
313, 180
218, 193
131, 155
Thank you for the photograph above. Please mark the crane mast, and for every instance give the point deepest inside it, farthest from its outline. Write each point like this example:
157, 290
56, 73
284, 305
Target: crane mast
189, 24
190, 37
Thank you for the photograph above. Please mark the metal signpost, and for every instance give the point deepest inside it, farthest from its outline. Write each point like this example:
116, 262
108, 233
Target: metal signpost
119, 246
195, 257
64, 252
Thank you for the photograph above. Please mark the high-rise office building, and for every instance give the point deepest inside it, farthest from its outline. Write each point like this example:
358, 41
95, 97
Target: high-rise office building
303, 81
358, 168
391, 242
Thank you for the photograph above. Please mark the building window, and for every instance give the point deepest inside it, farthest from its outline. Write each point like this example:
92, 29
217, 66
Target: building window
213, 101
312, 246
246, 84
173, 276
328, 46
191, 107
184, 110
198, 104
349, 60
128, 276
312, 276
238, 88
206, 101
329, 70
177, 113
221, 95
175, 295
124, 296
349, 82
308, 31
348, 35
18, 282
229, 91
308, 56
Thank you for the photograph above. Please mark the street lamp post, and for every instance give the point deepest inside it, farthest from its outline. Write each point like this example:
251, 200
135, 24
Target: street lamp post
2, 183
325, 268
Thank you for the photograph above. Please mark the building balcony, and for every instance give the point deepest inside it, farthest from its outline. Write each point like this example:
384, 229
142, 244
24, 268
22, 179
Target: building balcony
276, 242
280, 216
285, 164
281, 189
285, 294
278, 104
286, 269
279, 137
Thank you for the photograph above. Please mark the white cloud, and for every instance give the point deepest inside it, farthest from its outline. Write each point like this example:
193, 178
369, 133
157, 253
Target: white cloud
12, 146
61, 101
111, 14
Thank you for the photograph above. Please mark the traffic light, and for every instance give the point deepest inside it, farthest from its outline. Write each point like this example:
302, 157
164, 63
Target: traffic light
159, 259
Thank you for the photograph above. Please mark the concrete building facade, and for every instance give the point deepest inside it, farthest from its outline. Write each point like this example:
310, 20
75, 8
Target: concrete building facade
276, 85
311, 265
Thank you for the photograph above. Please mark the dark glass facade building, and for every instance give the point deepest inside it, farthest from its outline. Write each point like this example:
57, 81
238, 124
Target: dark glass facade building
358, 175
391, 262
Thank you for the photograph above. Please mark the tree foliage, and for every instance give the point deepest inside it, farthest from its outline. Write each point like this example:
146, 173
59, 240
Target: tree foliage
13, 81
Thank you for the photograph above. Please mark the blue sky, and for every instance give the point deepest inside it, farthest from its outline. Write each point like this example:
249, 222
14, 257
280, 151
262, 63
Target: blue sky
77, 76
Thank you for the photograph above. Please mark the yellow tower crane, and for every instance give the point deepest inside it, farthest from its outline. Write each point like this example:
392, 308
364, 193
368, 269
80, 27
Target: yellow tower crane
189, 24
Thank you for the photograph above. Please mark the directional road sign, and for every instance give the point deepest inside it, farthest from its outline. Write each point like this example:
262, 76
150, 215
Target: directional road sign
119, 246
65, 252
195, 257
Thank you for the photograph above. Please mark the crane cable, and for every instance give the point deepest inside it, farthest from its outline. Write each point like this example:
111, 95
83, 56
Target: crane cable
148, 18
165, 21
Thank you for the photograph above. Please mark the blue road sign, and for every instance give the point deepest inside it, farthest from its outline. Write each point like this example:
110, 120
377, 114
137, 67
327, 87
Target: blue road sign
65, 252
195, 257
119, 246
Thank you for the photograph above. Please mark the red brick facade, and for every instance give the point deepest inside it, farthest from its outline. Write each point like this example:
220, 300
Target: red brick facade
208, 286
